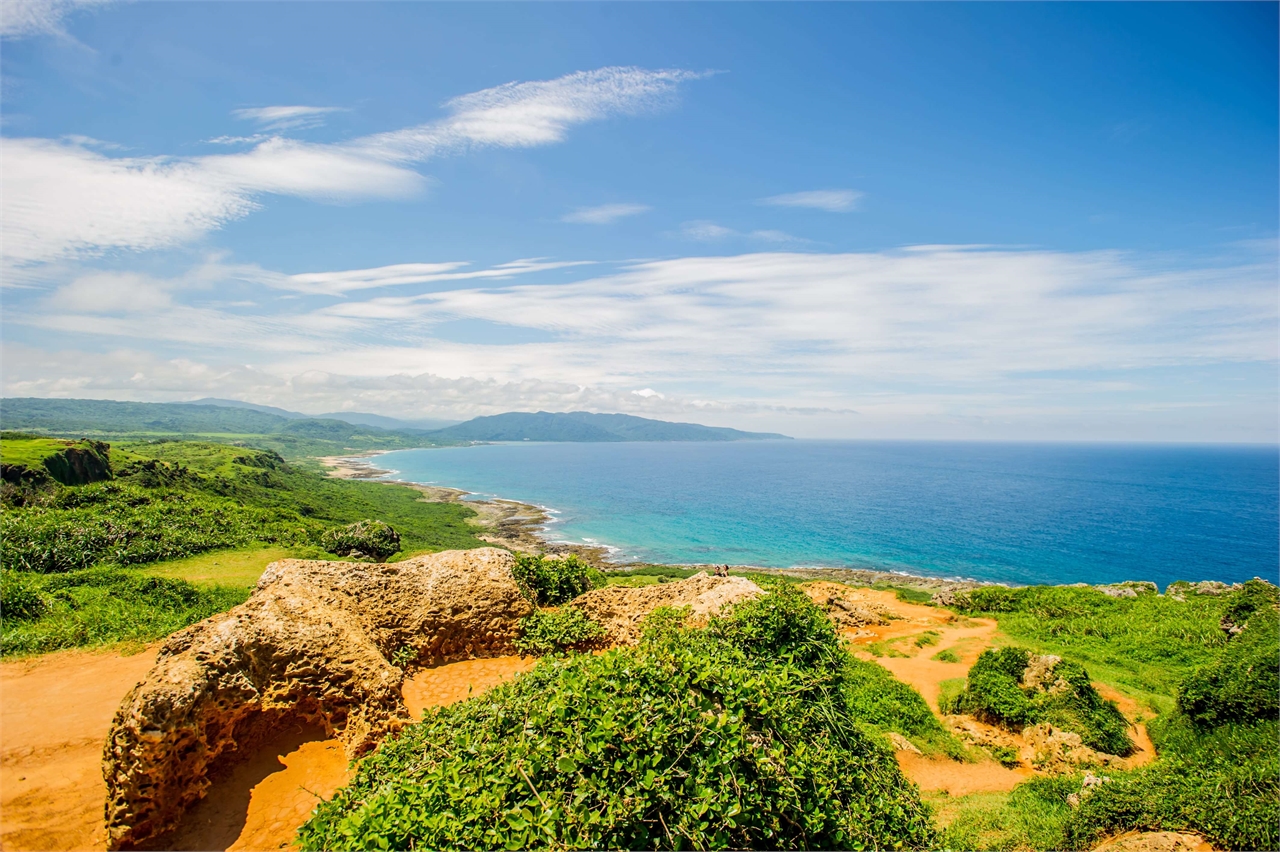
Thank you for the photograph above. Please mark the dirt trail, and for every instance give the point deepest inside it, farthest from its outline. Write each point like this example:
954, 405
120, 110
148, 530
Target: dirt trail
55, 712
966, 638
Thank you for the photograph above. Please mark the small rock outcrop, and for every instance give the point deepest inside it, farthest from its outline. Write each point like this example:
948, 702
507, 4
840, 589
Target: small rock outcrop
319, 642
619, 610
847, 608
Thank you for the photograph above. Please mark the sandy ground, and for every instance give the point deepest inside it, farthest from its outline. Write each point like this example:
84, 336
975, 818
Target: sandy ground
56, 710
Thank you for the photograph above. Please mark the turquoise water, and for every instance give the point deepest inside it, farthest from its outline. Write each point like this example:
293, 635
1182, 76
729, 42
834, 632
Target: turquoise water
1020, 513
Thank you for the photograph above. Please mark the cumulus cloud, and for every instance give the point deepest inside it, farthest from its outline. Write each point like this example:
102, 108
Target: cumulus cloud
605, 214
277, 118
830, 200
64, 199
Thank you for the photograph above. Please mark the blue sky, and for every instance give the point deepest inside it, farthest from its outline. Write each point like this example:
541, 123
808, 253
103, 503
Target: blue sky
990, 221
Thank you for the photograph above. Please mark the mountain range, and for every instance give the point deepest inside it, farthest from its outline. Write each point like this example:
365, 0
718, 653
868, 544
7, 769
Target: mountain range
231, 419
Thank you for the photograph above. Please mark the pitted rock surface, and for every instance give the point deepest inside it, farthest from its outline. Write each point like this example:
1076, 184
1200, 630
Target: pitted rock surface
620, 609
314, 643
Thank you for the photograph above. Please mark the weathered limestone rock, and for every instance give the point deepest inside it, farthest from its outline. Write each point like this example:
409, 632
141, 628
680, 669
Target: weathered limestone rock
319, 642
620, 610
847, 608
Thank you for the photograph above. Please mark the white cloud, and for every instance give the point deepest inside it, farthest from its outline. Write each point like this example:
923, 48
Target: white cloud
337, 283
831, 200
65, 200
942, 335
521, 115
705, 231
22, 18
277, 118
605, 214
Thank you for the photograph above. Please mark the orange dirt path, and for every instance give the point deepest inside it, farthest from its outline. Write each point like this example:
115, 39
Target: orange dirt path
967, 638
56, 711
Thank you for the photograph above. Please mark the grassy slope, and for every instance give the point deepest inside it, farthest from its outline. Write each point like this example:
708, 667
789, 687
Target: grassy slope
1147, 647
31, 451
204, 503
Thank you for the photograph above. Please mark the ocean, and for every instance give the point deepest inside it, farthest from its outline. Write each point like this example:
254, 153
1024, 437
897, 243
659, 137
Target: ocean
1013, 513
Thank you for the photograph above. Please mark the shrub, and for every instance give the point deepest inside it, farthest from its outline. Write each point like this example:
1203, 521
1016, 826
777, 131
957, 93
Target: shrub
1224, 784
547, 632
996, 694
1241, 685
363, 539
690, 739
551, 582
783, 625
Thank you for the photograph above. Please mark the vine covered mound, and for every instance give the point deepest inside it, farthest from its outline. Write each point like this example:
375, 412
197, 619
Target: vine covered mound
738, 735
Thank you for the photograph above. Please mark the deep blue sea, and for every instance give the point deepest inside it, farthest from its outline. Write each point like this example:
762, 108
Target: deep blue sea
1016, 513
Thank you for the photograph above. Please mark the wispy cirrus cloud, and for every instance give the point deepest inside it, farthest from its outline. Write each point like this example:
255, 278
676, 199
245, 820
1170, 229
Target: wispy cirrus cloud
276, 118
63, 199
830, 200
703, 231
25, 18
604, 214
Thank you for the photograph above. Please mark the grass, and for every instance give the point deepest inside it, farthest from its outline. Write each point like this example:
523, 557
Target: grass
29, 450
946, 655
231, 568
1218, 767
200, 519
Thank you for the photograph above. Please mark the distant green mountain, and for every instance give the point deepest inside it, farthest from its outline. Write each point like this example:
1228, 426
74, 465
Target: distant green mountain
584, 426
293, 437
355, 418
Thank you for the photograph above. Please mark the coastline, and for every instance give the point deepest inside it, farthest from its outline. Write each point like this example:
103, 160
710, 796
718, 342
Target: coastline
522, 527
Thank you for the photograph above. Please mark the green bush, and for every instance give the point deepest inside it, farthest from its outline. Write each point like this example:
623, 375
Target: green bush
20, 598
1223, 784
692, 739
1242, 684
783, 625
363, 539
551, 582
995, 693
548, 632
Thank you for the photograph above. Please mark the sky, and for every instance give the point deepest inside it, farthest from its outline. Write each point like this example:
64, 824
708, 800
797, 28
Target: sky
1009, 221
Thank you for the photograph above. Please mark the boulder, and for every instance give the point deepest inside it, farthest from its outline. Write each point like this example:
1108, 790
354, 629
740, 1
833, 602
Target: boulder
620, 609
323, 643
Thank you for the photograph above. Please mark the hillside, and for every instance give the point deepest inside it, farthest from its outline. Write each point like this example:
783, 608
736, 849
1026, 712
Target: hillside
355, 418
291, 436
584, 426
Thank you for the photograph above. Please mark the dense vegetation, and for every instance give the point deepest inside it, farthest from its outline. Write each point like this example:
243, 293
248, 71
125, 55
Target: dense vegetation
556, 631
998, 692
736, 736
1218, 772
73, 548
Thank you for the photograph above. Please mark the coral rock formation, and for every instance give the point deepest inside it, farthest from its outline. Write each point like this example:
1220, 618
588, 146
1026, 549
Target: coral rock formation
318, 642
620, 610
